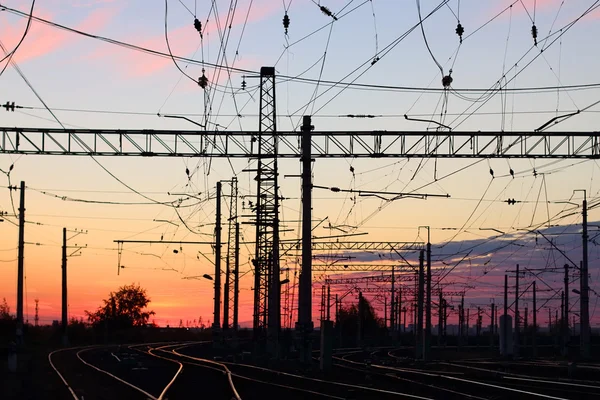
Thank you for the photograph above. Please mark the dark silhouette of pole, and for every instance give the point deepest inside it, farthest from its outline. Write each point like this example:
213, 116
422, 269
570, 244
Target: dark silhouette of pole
20, 265
328, 302
305, 324
392, 307
584, 335
236, 278
566, 314
562, 323
440, 318
217, 294
427, 338
505, 329
493, 310
516, 344
360, 318
399, 307
420, 299
444, 320
64, 319
534, 331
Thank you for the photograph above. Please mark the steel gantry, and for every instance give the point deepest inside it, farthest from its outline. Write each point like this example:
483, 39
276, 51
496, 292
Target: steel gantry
267, 294
324, 144
231, 288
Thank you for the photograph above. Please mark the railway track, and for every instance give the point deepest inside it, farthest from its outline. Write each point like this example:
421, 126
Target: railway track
477, 382
134, 372
296, 386
163, 371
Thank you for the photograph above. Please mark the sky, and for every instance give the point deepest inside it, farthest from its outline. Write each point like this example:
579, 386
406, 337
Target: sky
89, 83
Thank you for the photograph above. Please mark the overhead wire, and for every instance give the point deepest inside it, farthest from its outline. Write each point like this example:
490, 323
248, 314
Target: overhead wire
9, 55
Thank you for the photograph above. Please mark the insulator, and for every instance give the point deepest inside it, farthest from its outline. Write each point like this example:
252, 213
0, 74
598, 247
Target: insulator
244, 84
447, 81
203, 81
198, 26
534, 33
9, 106
286, 22
327, 12
459, 31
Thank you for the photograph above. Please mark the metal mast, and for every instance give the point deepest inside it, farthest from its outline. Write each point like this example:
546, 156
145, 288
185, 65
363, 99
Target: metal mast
266, 261
229, 304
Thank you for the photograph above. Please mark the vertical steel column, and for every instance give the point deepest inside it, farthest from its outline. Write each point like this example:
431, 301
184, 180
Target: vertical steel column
392, 308
20, 265
267, 297
217, 294
64, 314
517, 324
440, 318
229, 288
305, 323
420, 300
427, 338
236, 278
566, 315
584, 312
534, 337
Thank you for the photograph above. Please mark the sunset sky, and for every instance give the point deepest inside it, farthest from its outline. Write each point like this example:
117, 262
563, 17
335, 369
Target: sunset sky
90, 83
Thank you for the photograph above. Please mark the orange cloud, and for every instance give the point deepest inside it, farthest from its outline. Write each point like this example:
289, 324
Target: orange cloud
43, 39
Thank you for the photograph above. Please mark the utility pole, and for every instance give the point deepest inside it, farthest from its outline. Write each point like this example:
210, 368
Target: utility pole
37, 316
64, 321
505, 326
566, 314
462, 319
419, 331
229, 286
584, 322
65, 300
305, 324
399, 309
427, 348
440, 317
478, 324
337, 311
20, 266
534, 331
493, 310
516, 344
561, 333
217, 298
328, 302
460, 324
360, 319
444, 320
236, 278
392, 308
467, 327
385, 311
525, 316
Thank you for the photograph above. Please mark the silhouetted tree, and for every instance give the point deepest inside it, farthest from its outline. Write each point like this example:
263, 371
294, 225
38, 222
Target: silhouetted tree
5, 314
123, 309
348, 320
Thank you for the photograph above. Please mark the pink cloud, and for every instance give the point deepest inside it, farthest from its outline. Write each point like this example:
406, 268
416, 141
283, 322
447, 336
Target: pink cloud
43, 39
183, 42
518, 8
